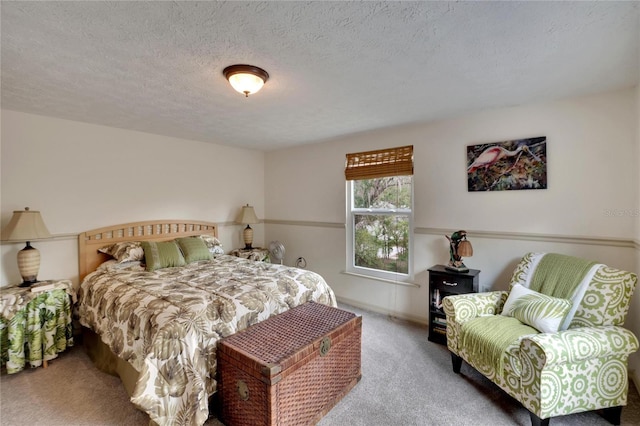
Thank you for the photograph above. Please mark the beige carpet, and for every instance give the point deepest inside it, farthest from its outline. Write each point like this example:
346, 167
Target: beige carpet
406, 381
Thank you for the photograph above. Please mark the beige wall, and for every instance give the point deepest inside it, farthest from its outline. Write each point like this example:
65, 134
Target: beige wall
633, 322
634, 315
83, 176
592, 169
75, 173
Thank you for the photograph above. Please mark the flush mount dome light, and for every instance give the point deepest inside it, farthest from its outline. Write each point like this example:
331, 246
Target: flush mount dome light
246, 79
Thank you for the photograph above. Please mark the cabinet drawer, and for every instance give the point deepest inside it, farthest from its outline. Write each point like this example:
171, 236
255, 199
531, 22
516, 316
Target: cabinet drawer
451, 283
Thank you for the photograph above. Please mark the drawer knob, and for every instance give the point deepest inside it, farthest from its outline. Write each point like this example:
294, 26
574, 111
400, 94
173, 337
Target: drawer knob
450, 284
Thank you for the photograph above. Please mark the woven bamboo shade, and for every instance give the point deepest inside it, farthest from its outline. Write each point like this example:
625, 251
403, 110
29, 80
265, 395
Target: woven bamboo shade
379, 163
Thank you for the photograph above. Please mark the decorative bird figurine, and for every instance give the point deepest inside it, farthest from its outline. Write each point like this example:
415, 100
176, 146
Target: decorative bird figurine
454, 241
458, 246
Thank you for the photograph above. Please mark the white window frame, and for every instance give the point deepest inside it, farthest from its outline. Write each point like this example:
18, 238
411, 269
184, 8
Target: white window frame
351, 267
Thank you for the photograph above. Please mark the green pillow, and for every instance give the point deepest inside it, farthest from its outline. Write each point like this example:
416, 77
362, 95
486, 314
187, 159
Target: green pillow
194, 249
537, 310
160, 255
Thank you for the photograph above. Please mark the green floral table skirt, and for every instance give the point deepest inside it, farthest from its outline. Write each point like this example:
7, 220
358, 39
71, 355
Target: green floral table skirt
37, 333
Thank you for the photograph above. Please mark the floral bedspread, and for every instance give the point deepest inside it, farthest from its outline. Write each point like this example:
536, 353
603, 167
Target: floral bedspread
167, 323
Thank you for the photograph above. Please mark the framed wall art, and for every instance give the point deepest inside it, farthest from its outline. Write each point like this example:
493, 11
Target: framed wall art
509, 165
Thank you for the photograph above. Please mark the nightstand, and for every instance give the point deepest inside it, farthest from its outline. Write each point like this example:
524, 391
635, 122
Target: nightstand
442, 283
35, 323
255, 253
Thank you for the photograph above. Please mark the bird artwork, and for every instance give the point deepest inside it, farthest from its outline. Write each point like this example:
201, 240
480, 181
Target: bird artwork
516, 164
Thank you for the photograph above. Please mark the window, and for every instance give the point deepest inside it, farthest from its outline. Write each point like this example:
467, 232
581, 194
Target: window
380, 212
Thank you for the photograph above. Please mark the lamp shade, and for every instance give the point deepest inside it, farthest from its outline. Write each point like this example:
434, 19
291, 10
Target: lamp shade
465, 249
25, 225
246, 83
246, 79
247, 215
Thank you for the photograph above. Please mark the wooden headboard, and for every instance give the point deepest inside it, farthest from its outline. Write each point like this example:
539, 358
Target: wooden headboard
152, 230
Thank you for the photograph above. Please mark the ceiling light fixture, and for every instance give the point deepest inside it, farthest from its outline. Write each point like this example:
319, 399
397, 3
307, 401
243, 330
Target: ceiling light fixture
246, 79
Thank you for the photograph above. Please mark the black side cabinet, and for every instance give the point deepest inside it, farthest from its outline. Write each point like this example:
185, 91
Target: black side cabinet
442, 283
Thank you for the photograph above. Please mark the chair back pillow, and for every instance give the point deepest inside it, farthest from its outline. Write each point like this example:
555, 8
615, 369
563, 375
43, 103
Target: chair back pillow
537, 310
603, 299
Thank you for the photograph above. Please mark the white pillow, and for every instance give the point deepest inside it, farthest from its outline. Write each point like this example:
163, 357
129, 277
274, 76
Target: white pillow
542, 312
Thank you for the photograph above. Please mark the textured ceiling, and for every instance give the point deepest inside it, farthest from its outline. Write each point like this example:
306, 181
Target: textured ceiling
336, 67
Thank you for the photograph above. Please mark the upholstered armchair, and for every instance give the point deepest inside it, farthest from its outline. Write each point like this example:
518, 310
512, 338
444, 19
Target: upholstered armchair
555, 340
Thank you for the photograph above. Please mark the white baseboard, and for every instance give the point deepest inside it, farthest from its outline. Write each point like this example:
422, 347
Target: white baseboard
377, 309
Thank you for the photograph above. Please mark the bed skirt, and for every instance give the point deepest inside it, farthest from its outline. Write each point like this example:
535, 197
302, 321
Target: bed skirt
105, 360
108, 362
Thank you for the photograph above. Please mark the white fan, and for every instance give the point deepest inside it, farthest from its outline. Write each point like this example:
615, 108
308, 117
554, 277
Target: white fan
276, 250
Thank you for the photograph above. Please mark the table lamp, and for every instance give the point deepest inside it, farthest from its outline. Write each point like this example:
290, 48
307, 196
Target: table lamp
247, 216
26, 225
459, 246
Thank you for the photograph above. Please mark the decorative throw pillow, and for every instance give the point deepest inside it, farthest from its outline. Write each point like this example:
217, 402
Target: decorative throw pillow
213, 244
216, 250
114, 265
193, 249
210, 241
160, 255
127, 251
544, 313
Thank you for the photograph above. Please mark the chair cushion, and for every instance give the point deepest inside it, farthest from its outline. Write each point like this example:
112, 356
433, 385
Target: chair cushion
544, 313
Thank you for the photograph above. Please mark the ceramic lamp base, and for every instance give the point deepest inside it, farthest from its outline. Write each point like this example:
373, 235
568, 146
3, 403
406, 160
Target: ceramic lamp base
29, 265
247, 235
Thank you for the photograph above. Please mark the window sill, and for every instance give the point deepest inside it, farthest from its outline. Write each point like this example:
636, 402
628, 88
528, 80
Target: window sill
384, 280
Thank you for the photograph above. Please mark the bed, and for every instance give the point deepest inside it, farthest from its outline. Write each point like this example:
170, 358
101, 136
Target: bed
158, 329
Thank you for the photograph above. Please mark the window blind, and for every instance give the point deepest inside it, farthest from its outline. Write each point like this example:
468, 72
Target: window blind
379, 163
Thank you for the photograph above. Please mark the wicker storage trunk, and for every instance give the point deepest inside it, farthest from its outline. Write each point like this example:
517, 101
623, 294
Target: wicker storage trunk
290, 369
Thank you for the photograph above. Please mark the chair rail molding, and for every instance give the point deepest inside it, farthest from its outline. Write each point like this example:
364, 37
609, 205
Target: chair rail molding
523, 236
501, 235
54, 237
305, 223
554, 238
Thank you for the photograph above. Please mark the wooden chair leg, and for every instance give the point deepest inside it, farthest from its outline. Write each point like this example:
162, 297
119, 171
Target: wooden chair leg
456, 362
612, 414
537, 421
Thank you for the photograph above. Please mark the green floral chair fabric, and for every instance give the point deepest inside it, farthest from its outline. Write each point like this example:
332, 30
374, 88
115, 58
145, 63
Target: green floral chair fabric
580, 367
